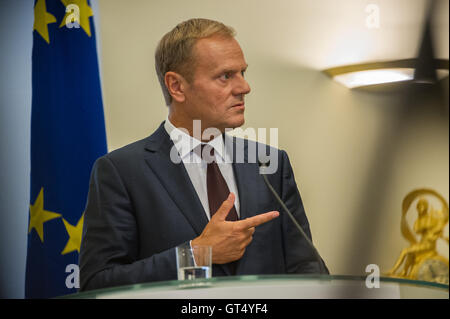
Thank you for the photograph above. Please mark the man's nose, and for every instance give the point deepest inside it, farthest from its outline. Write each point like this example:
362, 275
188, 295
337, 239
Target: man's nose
241, 86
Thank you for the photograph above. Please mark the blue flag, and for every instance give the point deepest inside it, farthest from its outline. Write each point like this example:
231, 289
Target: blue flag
67, 136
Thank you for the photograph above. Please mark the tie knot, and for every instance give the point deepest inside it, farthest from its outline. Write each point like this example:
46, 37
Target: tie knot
206, 152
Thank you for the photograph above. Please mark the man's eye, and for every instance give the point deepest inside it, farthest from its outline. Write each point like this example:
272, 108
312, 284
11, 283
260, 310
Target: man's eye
225, 76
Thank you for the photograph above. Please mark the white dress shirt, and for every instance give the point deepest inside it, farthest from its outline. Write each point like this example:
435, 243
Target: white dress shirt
196, 167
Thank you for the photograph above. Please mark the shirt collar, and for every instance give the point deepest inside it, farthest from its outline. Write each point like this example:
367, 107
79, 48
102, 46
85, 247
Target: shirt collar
186, 143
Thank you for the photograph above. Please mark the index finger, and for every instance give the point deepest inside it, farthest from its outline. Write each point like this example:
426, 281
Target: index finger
257, 220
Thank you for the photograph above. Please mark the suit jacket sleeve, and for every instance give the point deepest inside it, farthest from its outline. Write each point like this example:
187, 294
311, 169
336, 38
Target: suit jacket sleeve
110, 243
299, 258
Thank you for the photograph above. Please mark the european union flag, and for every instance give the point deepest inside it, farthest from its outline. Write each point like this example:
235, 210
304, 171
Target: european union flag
67, 136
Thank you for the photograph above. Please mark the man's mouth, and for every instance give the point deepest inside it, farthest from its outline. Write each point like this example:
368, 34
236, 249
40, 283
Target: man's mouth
240, 104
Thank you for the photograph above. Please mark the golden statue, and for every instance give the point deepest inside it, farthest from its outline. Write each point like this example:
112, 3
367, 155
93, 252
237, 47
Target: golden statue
420, 260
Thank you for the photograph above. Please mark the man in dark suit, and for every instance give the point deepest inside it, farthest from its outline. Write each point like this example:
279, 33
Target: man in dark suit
147, 198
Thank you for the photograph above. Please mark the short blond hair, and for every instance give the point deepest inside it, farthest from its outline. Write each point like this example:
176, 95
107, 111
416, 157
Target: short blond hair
175, 49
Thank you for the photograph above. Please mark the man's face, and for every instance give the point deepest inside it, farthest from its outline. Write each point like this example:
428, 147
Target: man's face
216, 92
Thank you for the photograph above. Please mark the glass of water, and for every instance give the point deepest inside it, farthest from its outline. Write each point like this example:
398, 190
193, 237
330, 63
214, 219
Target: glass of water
193, 262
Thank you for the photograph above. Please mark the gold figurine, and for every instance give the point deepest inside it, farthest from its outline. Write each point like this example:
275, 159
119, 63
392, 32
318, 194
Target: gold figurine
420, 260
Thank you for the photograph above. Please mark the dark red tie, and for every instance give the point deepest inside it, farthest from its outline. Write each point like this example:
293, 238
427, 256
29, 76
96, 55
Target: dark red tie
218, 191
216, 185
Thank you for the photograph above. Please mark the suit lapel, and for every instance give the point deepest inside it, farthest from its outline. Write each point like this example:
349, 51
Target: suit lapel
247, 188
175, 178
245, 174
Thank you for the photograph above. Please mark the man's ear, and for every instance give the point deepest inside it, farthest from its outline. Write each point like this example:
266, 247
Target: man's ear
176, 85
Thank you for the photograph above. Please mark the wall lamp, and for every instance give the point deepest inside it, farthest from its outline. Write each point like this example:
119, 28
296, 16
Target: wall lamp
369, 74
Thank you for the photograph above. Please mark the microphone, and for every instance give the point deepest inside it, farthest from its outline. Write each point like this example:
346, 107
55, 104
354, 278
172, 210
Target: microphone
323, 269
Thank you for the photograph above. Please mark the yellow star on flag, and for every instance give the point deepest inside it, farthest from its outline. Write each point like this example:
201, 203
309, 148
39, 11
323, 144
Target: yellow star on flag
84, 11
41, 19
38, 215
74, 232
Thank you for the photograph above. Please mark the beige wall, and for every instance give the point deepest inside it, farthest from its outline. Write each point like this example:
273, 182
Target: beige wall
355, 154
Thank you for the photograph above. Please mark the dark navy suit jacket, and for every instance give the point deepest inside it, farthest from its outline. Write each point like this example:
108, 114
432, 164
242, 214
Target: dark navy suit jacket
141, 206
